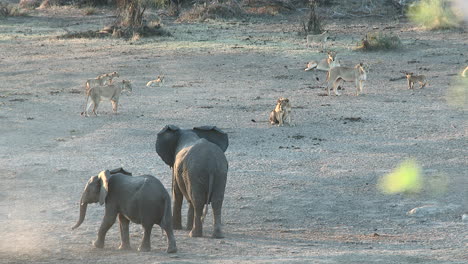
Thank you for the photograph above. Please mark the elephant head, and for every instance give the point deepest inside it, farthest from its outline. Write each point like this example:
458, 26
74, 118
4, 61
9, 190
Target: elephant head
95, 191
170, 136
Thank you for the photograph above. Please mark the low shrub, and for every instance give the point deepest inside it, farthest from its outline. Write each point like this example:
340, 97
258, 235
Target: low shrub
379, 41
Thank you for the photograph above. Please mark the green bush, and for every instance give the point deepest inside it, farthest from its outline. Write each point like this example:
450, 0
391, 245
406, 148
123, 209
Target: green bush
380, 41
433, 14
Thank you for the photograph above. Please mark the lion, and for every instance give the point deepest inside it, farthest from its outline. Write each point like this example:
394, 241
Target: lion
110, 91
339, 74
319, 38
281, 112
100, 80
325, 64
158, 82
421, 79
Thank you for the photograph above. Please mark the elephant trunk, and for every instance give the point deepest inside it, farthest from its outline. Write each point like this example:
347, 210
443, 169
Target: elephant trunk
83, 207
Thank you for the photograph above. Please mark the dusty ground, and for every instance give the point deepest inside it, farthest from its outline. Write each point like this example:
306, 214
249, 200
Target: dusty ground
301, 194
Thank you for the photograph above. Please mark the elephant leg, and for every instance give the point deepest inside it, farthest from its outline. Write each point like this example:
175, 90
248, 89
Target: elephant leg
124, 236
190, 217
197, 229
171, 243
107, 222
177, 207
145, 243
217, 226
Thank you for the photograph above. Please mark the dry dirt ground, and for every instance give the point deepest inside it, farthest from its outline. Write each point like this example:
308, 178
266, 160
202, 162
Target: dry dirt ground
300, 194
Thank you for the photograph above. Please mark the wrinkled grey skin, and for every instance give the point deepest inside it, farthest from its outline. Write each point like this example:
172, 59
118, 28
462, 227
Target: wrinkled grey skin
199, 173
142, 200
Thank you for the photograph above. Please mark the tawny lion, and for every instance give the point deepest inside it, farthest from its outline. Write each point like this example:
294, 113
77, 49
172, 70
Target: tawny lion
421, 79
325, 64
110, 92
339, 74
281, 112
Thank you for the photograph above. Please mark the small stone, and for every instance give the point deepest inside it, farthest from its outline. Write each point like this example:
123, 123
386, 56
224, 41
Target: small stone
465, 218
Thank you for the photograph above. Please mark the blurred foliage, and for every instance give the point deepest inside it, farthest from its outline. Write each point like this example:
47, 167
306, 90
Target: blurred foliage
433, 14
405, 178
457, 93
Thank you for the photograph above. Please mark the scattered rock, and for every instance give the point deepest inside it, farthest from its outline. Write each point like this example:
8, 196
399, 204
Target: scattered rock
352, 119
465, 218
18, 100
298, 136
75, 91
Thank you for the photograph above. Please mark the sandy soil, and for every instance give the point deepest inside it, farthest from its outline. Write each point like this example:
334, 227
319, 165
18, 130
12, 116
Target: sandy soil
301, 194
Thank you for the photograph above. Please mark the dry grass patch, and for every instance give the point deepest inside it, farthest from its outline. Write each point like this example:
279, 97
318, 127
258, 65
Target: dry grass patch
119, 32
88, 11
8, 10
267, 7
213, 11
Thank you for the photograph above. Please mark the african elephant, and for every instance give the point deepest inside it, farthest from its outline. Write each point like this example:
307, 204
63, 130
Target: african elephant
142, 200
199, 173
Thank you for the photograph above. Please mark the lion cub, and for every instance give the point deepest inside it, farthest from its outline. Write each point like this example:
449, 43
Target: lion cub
421, 79
320, 38
281, 112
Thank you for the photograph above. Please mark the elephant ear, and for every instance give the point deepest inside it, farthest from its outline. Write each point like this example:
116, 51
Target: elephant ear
214, 135
166, 143
120, 170
104, 177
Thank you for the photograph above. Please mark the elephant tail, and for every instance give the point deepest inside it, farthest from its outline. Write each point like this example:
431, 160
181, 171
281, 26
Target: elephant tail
166, 221
208, 198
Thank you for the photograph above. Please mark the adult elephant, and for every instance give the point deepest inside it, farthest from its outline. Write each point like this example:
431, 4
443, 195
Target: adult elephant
199, 173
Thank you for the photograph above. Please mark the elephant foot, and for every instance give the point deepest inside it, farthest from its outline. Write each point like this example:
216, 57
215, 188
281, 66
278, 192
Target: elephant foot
218, 234
195, 233
144, 248
98, 244
124, 247
171, 249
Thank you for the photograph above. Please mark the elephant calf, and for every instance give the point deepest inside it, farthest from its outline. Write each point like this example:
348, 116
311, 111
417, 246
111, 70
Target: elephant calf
142, 200
199, 172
